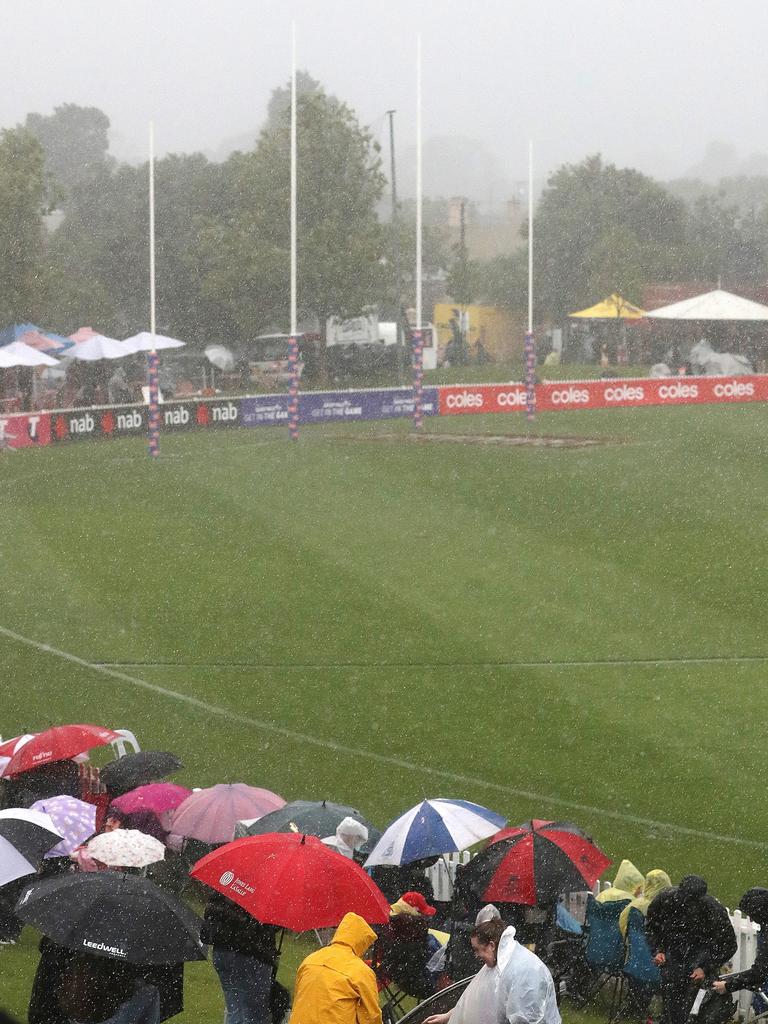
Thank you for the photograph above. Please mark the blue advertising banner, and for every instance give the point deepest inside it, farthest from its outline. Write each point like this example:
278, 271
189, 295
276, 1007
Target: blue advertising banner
336, 406
264, 411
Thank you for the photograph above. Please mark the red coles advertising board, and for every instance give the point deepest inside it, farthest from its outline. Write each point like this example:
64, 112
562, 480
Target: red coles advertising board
603, 394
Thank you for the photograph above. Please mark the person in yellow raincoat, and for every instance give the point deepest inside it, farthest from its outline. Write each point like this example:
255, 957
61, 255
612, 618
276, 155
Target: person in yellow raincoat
627, 884
333, 985
656, 881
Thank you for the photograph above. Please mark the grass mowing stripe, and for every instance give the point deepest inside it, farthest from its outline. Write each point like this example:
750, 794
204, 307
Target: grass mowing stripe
368, 755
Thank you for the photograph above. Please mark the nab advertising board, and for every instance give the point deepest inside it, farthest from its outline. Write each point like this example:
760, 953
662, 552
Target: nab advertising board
132, 420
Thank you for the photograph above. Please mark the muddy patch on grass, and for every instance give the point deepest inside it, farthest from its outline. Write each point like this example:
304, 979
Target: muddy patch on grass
502, 440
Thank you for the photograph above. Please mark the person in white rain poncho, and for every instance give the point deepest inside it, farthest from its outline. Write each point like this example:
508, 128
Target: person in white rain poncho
350, 836
513, 986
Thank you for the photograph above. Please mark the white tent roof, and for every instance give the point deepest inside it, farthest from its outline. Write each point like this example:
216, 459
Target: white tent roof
142, 342
19, 354
716, 305
97, 347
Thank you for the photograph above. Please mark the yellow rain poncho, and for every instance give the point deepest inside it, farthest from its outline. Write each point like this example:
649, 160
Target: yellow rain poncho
333, 985
627, 884
656, 881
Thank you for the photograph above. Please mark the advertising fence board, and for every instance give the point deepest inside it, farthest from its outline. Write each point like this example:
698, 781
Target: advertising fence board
26, 430
616, 393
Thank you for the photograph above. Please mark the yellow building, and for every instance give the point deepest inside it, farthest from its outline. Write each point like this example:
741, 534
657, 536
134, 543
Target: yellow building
502, 333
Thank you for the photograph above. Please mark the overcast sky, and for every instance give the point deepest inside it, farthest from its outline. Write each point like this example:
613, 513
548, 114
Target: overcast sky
648, 83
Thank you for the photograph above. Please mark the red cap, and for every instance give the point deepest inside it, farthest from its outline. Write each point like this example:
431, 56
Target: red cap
417, 901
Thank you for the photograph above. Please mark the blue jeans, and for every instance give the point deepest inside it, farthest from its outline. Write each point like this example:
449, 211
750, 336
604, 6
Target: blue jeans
246, 983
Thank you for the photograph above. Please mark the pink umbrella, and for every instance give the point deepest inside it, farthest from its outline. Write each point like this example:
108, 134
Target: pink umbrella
42, 341
210, 815
83, 334
155, 796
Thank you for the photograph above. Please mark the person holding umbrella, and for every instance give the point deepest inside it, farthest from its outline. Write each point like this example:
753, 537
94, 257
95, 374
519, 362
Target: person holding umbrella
334, 985
93, 987
109, 915
244, 954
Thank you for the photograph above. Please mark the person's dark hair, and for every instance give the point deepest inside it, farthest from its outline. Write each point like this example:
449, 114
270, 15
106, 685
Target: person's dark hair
754, 903
488, 931
693, 886
118, 815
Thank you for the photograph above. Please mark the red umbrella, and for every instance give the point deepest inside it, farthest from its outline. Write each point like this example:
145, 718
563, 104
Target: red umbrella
293, 881
58, 744
9, 747
535, 862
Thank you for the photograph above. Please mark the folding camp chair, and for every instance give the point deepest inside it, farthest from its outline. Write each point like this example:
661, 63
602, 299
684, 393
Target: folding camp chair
604, 950
641, 973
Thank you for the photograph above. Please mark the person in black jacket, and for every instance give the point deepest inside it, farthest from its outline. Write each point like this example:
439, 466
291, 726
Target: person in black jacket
754, 905
244, 953
691, 937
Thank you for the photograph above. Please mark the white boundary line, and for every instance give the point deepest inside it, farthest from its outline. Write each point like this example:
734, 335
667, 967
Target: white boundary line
725, 659
368, 755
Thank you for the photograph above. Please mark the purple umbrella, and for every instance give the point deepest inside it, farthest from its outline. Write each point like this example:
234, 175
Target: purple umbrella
75, 819
155, 796
210, 815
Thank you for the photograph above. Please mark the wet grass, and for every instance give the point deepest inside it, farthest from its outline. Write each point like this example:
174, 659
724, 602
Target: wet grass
570, 633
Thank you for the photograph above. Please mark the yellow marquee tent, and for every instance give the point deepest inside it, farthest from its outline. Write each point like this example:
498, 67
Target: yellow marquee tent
612, 308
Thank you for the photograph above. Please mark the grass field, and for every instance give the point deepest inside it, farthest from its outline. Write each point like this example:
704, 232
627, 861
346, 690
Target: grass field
576, 633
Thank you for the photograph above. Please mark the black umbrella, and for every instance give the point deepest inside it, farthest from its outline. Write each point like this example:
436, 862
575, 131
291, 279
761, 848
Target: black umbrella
132, 770
29, 832
313, 818
108, 913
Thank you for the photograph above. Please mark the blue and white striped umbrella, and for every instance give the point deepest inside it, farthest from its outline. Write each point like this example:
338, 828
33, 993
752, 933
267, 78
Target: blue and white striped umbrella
432, 828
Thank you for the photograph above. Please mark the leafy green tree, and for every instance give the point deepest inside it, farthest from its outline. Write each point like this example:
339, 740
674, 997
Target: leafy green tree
503, 280
279, 106
102, 247
593, 213
461, 282
340, 241
728, 243
399, 247
616, 264
76, 143
22, 206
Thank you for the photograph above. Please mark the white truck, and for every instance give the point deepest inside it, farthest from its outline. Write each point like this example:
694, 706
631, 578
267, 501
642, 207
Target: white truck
368, 330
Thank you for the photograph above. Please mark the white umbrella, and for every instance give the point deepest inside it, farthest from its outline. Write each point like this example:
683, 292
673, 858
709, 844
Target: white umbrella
126, 848
98, 347
19, 354
142, 342
220, 357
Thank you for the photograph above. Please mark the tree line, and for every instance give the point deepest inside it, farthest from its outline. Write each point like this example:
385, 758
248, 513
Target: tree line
74, 245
